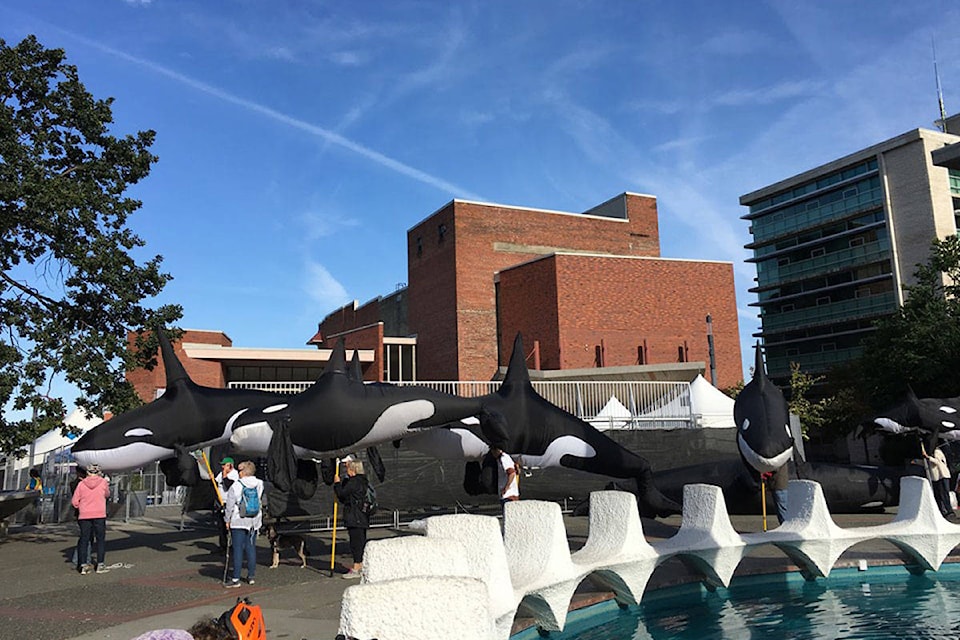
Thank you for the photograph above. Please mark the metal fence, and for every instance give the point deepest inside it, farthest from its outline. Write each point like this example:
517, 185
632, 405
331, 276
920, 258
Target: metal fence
605, 405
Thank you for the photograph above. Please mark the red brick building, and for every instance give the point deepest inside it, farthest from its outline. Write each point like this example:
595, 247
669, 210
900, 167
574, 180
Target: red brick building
588, 290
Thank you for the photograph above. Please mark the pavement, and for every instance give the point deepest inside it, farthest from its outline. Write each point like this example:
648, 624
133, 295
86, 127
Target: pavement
164, 577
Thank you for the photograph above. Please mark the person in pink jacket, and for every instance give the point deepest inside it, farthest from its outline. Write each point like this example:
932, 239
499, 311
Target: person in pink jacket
90, 499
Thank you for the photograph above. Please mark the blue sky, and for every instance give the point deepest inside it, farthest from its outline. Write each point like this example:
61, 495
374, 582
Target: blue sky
298, 141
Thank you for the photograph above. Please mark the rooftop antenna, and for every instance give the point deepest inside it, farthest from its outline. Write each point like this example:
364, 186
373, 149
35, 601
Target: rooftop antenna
936, 72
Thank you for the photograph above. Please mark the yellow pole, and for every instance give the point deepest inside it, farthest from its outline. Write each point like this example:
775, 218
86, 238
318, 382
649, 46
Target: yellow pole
333, 540
213, 479
763, 501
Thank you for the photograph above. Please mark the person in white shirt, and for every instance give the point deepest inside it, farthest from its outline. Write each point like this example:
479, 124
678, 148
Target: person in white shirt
940, 479
227, 476
508, 480
243, 530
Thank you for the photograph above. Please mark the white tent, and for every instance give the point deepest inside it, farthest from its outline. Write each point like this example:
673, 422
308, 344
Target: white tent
710, 407
49, 442
713, 407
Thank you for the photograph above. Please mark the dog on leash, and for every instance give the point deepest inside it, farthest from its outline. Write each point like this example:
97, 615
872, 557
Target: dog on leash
280, 541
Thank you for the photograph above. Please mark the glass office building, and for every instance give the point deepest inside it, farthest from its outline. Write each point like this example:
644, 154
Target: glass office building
835, 245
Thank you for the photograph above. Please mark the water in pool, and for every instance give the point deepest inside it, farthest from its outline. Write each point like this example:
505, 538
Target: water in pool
877, 603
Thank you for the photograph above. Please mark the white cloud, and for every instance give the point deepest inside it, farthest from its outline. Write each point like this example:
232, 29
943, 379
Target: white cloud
347, 58
319, 225
768, 95
320, 132
736, 42
323, 288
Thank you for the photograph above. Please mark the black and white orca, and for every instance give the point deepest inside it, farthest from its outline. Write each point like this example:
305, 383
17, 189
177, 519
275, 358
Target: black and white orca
339, 414
763, 422
545, 436
940, 416
186, 417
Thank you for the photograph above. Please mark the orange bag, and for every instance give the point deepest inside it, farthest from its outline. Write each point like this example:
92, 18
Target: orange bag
244, 621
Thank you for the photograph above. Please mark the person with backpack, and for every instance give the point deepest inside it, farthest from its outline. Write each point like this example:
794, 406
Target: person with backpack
243, 512
354, 493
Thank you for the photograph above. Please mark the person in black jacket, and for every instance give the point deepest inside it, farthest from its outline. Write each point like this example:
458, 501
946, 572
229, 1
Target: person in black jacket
352, 493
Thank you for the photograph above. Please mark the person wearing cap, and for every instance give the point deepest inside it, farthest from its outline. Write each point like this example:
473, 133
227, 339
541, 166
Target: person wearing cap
225, 479
90, 500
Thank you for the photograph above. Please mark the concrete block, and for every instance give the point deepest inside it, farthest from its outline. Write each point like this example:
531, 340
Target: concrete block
809, 536
706, 542
417, 608
616, 554
543, 575
919, 529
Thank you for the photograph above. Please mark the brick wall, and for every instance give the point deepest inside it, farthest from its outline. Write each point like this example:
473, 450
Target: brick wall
452, 297
432, 295
528, 304
204, 373
366, 337
625, 303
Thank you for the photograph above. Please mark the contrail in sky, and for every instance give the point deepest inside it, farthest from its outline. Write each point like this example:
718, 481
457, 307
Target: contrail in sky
273, 114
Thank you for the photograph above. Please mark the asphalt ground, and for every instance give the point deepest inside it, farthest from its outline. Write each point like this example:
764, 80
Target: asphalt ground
162, 577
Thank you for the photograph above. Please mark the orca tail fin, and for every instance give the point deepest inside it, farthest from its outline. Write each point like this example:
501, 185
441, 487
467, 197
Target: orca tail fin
652, 503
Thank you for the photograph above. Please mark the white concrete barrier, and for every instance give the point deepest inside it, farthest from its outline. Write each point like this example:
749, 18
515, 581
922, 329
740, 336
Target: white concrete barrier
463, 575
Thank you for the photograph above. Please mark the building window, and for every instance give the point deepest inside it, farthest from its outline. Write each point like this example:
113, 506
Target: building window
793, 352
828, 346
782, 262
823, 300
786, 307
680, 354
441, 232
856, 242
816, 253
419, 246
641, 355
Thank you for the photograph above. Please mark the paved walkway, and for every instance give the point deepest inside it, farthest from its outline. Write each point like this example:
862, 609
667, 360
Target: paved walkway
161, 577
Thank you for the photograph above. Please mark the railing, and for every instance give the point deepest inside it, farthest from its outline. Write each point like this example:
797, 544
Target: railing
870, 252
767, 228
606, 405
830, 313
811, 362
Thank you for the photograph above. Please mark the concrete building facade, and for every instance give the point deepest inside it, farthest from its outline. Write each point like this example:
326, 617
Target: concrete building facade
834, 246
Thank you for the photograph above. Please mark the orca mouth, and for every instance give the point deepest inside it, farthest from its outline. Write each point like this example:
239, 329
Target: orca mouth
761, 463
128, 456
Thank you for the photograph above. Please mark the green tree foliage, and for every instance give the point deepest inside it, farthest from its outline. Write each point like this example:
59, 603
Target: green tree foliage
812, 414
920, 345
70, 286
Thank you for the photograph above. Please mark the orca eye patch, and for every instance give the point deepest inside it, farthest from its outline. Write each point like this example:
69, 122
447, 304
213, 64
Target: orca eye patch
138, 432
275, 408
746, 424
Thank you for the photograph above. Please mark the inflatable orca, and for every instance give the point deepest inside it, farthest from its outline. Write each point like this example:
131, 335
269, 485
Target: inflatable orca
933, 415
544, 435
763, 422
186, 417
338, 415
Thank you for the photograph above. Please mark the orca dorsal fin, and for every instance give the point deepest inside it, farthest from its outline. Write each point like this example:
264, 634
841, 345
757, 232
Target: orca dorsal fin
759, 372
355, 372
517, 369
338, 359
172, 366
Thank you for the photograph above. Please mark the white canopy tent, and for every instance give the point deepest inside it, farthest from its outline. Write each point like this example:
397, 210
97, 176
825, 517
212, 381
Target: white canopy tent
52, 441
710, 407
